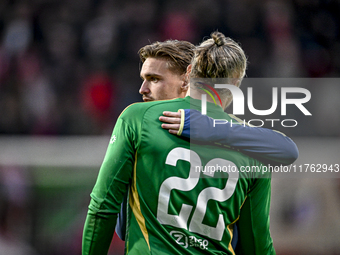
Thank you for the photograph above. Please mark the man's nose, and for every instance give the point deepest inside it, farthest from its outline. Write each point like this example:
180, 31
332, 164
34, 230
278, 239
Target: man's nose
144, 88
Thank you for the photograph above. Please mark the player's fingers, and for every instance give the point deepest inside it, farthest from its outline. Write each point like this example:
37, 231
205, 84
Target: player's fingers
172, 114
171, 120
171, 127
171, 131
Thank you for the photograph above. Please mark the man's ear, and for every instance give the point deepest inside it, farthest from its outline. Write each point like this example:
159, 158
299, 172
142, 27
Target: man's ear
188, 70
185, 85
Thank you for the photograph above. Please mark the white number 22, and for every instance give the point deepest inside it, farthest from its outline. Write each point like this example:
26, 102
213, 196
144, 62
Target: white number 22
172, 183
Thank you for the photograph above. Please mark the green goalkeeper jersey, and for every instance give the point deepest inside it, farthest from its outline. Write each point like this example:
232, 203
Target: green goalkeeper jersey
184, 198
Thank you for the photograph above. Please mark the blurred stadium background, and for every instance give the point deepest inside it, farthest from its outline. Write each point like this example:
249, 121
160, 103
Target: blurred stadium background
68, 68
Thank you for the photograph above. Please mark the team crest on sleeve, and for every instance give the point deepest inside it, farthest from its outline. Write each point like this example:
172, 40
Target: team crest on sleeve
113, 139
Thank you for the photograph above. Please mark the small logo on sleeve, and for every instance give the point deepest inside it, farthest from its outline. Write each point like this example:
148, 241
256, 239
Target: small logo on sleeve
113, 139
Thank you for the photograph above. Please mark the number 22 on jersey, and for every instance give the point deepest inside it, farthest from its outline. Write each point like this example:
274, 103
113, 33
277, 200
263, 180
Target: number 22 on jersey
176, 183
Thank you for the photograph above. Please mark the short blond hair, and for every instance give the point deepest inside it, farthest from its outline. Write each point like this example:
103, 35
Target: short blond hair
178, 54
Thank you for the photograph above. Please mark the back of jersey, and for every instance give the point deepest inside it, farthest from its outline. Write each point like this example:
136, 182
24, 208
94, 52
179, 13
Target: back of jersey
184, 197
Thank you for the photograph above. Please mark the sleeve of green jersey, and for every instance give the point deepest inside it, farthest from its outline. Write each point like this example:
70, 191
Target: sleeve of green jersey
107, 195
253, 224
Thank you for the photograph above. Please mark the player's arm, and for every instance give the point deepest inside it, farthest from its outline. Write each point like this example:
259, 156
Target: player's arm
108, 193
253, 224
262, 143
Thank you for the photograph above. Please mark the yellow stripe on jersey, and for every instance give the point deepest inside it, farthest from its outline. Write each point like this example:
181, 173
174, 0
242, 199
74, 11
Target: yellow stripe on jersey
135, 205
231, 232
230, 228
243, 203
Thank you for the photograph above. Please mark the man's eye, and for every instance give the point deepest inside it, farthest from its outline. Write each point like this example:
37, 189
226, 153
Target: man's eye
154, 79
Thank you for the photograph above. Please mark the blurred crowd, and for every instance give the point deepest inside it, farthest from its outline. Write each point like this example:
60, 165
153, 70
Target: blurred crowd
69, 67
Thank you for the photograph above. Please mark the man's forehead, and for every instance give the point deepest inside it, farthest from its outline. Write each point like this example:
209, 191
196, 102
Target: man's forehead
154, 66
